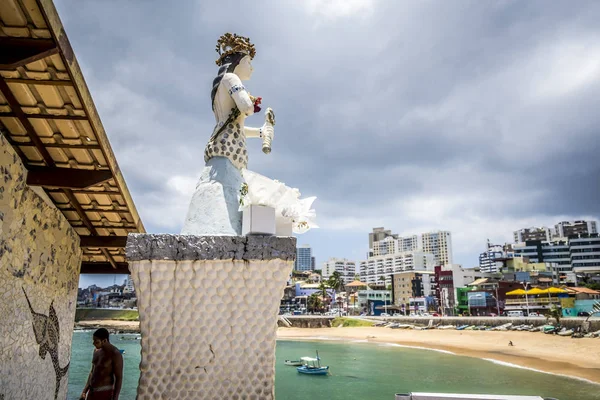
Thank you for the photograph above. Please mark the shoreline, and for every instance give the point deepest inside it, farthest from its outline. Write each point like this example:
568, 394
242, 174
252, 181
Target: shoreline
572, 358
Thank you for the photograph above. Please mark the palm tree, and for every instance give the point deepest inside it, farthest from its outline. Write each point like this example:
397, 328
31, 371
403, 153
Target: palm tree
336, 282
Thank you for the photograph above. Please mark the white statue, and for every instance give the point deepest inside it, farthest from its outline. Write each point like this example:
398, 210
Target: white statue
225, 183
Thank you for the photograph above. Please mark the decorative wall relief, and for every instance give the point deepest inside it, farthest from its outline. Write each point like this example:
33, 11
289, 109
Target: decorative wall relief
39, 255
47, 335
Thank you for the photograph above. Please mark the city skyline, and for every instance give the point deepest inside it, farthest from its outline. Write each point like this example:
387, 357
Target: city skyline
474, 128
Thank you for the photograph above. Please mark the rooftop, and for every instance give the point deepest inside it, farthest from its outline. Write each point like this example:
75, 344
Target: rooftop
48, 116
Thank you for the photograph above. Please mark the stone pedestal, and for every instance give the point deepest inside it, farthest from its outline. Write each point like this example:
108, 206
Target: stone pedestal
208, 313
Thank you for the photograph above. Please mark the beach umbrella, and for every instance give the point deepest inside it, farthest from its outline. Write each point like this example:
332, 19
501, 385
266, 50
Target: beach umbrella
536, 291
555, 290
517, 292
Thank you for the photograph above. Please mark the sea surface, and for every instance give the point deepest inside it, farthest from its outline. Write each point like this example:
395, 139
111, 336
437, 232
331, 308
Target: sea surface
360, 371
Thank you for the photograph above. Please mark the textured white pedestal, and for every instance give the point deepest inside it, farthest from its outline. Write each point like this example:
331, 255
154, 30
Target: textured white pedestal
208, 313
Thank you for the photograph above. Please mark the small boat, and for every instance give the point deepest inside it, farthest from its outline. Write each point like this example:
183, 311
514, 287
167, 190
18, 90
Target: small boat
121, 351
293, 363
312, 366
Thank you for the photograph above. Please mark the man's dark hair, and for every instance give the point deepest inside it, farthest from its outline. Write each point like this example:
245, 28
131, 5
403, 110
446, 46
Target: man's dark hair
101, 334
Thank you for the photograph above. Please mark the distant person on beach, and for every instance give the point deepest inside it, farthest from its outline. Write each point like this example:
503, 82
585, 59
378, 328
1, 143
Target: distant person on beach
106, 376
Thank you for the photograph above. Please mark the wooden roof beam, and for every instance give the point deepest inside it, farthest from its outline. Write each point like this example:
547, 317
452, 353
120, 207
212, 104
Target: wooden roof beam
16, 108
17, 52
69, 178
103, 241
45, 116
104, 268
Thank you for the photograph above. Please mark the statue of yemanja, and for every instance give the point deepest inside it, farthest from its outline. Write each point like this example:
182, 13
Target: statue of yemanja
226, 186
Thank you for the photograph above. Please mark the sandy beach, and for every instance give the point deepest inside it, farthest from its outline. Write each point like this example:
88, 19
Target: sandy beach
549, 353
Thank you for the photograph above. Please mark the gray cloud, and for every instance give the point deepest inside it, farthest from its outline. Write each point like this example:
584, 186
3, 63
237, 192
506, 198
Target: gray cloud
472, 116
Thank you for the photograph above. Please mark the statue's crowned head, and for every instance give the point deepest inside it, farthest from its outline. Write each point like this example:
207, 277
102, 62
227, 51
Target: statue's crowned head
230, 44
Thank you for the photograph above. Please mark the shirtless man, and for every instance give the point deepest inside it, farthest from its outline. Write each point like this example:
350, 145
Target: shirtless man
106, 376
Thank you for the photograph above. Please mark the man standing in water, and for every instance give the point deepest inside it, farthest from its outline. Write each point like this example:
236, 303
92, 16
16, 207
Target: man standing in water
106, 376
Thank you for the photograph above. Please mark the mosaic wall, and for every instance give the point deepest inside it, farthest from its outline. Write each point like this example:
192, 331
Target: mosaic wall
39, 274
208, 327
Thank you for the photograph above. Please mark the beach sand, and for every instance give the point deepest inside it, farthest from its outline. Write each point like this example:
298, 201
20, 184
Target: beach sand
549, 353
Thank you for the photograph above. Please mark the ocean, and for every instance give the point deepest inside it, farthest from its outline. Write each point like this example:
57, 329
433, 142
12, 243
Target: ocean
361, 370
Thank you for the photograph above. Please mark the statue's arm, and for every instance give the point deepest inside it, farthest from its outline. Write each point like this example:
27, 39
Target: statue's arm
253, 132
238, 93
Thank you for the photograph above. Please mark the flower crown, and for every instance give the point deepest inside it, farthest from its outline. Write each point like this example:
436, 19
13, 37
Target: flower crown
231, 44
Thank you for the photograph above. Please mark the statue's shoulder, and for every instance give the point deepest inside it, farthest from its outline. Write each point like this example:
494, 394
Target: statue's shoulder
231, 79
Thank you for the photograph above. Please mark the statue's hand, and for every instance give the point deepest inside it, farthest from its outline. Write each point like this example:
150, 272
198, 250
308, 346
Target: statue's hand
267, 132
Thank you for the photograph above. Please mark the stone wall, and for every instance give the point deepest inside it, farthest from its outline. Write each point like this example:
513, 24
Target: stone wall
39, 272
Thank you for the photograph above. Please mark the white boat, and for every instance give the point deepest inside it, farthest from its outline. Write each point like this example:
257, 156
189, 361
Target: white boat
293, 363
452, 396
565, 332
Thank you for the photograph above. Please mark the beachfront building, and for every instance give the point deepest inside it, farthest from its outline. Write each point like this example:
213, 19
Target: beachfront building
304, 258
444, 289
411, 284
372, 300
374, 269
346, 268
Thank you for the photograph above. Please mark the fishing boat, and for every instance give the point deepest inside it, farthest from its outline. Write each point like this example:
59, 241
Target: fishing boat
312, 366
293, 363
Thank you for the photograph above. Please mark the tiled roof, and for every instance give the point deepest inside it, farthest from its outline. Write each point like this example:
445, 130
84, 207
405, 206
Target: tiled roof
47, 114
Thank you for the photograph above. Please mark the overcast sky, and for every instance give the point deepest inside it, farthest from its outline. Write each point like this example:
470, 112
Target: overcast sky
475, 117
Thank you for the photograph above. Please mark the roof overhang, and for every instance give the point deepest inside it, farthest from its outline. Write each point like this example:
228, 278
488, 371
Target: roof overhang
48, 116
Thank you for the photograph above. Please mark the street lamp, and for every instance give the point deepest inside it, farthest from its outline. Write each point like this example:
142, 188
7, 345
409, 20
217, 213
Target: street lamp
525, 284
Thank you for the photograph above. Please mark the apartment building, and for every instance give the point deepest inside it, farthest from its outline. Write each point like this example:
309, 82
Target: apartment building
566, 229
412, 284
439, 244
372, 269
533, 233
346, 268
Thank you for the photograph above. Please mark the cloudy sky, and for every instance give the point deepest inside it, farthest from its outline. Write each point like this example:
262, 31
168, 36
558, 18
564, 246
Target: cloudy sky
475, 117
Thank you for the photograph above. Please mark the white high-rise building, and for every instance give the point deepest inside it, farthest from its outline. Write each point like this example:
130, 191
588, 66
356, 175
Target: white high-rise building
408, 243
372, 269
129, 288
439, 244
346, 268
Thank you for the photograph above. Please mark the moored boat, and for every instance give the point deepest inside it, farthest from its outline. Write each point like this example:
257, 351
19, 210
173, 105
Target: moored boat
312, 366
293, 363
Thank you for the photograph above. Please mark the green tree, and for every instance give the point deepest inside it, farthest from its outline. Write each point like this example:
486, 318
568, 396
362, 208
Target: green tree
336, 281
314, 302
356, 277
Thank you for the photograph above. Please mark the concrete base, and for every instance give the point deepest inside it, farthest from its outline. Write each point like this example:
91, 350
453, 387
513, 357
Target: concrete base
208, 313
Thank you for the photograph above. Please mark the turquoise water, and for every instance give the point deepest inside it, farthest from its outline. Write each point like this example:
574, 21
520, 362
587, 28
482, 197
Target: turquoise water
362, 371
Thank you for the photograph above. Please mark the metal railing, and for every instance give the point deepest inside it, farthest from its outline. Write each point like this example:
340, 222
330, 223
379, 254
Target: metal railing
538, 300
